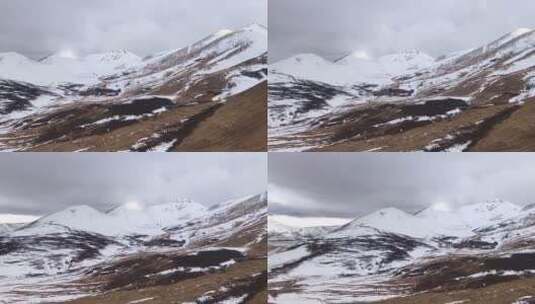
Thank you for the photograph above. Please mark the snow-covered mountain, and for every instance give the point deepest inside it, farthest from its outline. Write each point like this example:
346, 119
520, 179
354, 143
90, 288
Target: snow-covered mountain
406, 101
292, 227
352, 69
57, 68
130, 218
391, 253
435, 221
81, 242
158, 100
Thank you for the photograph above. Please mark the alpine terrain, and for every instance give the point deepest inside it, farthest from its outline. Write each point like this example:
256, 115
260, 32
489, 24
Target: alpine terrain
210, 95
472, 100
180, 252
480, 253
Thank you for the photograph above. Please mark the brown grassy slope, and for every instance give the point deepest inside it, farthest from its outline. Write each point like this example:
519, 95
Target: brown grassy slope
514, 134
239, 125
186, 290
502, 293
118, 139
419, 137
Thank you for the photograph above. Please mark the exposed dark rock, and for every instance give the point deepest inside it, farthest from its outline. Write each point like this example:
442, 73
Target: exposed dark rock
17, 96
98, 91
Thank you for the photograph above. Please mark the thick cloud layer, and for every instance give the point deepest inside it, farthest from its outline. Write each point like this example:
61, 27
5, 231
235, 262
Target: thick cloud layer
353, 184
38, 28
42, 183
334, 28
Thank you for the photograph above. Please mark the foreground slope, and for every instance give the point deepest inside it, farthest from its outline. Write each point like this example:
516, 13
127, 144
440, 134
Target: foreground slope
474, 100
208, 96
179, 251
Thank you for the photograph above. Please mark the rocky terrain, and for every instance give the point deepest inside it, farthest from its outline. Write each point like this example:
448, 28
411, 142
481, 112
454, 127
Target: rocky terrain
481, 253
209, 96
473, 100
180, 252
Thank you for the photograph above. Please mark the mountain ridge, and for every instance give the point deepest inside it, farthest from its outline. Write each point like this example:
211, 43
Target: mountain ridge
456, 103
150, 248
398, 255
163, 102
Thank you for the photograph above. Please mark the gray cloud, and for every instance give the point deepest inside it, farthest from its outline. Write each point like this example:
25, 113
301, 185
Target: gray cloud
42, 183
38, 28
332, 29
352, 184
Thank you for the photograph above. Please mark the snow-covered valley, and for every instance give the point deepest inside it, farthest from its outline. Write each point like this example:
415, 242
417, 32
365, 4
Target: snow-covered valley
391, 256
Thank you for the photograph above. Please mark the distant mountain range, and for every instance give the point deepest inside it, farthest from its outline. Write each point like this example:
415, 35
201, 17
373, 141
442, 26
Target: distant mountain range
206, 96
469, 255
473, 100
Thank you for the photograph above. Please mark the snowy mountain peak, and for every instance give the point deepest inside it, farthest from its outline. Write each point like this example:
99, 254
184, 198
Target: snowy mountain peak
387, 219
411, 55
13, 57
388, 212
180, 206
493, 204
439, 219
405, 62
302, 64
490, 209
113, 56
70, 214
132, 217
246, 202
354, 68
76, 217
60, 57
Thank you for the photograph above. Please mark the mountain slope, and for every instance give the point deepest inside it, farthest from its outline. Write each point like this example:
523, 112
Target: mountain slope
473, 100
83, 253
117, 101
390, 254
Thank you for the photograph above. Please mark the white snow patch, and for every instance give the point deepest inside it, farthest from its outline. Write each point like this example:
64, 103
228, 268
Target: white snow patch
141, 300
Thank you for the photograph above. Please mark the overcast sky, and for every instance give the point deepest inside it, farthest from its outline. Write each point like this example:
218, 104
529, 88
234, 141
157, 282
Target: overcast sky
334, 28
355, 184
38, 28
38, 183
